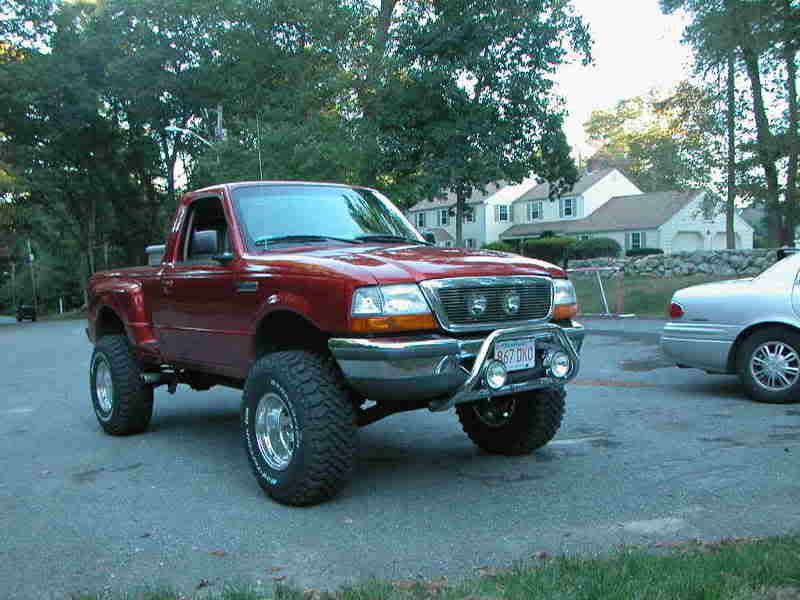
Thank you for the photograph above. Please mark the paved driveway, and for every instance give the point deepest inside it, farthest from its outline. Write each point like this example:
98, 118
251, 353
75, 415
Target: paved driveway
647, 453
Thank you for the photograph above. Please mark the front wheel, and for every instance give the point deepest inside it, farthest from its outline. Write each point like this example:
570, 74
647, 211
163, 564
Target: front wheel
768, 363
299, 427
514, 425
122, 402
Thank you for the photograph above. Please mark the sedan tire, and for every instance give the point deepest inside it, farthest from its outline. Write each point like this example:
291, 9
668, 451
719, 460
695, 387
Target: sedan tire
768, 363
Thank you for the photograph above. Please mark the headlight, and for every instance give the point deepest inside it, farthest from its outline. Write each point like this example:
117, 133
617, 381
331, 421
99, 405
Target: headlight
390, 308
564, 292
389, 300
565, 301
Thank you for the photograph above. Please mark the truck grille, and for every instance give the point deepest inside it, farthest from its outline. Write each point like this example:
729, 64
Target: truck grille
474, 303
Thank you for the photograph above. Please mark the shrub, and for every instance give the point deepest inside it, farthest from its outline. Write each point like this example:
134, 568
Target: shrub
595, 248
500, 247
644, 251
552, 249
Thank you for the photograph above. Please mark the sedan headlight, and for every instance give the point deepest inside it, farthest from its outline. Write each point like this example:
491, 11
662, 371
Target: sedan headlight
389, 308
565, 301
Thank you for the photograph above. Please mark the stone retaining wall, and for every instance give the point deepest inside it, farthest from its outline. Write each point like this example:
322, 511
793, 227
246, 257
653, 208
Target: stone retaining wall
714, 263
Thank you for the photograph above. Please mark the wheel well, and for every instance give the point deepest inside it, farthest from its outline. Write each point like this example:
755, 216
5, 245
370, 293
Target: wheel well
108, 323
286, 330
747, 333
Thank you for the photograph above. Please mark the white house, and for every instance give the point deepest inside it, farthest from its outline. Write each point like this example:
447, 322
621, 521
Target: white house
671, 221
495, 211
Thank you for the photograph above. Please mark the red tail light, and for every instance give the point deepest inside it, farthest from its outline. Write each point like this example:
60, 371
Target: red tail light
675, 310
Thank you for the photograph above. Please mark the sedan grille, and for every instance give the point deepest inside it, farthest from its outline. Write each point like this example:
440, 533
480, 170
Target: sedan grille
465, 304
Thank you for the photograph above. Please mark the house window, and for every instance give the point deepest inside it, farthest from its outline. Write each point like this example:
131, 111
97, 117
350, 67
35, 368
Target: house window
469, 215
501, 213
444, 217
469, 243
535, 210
448, 244
568, 207
584, 236
419, 220
637, 240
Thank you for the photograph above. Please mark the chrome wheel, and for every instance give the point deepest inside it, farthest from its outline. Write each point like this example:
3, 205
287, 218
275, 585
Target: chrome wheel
495, 413
276, 431
103, 386
775, 366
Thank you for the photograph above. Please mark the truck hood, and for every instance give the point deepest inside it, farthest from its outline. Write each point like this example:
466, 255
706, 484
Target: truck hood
405, 263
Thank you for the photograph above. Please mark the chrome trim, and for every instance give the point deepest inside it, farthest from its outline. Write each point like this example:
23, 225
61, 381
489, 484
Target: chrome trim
431, 289
403, 368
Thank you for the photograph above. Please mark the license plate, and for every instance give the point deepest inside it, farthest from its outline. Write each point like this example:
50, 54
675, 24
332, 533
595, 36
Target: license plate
516, 355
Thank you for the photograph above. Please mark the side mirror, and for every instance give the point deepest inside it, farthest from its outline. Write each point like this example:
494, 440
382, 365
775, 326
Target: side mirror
429, 237
224, 258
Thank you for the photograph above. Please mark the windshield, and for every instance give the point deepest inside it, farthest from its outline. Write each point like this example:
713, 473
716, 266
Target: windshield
302, 212
783, 271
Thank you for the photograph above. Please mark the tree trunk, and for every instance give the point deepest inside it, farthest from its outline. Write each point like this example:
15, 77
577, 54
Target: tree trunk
461, 202
92, 232
730, 204
789, 53
766, 148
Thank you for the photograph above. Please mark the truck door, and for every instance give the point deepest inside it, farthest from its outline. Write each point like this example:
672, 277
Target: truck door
196, 314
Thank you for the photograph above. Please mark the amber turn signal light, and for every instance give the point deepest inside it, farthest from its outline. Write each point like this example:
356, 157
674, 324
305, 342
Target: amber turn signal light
565, 311
675, 310
393, 324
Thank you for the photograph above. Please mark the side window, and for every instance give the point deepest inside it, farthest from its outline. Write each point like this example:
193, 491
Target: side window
205, 233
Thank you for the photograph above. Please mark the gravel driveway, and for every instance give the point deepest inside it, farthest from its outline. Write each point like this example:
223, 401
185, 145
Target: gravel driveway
647, 453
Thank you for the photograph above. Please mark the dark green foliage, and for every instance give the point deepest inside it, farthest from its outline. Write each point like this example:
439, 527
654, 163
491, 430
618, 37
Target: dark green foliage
643, 251
554, 249
595, 248
500, 247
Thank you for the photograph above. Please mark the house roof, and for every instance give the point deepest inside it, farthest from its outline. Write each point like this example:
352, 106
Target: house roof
588, 180
441, 235
640, 211
450, 199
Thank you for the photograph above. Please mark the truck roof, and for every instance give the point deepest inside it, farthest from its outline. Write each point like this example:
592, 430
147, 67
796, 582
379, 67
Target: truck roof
236, 184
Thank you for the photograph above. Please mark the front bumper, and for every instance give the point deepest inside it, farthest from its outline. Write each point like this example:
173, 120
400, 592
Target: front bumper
446, 370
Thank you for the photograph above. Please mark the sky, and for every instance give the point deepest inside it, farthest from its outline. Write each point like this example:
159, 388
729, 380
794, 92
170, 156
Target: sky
636, 48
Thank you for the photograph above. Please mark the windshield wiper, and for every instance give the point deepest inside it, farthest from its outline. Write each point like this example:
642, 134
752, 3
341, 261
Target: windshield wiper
385, 237
279, 239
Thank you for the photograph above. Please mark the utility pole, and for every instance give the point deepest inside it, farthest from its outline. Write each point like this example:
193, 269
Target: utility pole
105, 251
730, 235
33, 277
258, 144
14, 284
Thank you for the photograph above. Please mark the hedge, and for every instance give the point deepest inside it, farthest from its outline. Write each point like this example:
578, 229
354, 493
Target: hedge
500, 247
552, 249
595, 248
643, 251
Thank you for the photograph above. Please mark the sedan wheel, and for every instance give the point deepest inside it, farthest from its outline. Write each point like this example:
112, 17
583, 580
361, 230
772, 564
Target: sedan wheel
769, 365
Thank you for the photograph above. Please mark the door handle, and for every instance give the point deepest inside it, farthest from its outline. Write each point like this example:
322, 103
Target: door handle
166, 285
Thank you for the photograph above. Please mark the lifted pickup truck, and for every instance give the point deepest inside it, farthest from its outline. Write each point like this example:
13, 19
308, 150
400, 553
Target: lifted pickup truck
326, 306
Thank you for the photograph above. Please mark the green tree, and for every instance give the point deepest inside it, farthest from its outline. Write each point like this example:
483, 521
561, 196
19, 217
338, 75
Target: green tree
463, 95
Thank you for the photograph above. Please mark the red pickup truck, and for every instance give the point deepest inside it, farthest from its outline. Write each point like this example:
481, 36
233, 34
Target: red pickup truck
329, 309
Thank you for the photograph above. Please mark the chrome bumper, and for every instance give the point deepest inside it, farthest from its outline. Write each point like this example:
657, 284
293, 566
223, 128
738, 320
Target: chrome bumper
444, 370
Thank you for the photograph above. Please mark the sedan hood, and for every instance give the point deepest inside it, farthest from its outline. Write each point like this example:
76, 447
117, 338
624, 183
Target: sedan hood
403, 263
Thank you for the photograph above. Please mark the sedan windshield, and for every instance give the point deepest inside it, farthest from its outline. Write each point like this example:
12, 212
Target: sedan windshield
280, 214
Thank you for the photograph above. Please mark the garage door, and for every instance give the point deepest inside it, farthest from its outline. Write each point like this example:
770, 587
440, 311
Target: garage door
687, 241
721, 241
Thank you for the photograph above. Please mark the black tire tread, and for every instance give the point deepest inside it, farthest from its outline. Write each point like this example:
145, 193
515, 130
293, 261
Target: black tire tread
133, 399
329, 432
536, 420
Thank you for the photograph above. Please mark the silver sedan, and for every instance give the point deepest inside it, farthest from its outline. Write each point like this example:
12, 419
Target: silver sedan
749, 327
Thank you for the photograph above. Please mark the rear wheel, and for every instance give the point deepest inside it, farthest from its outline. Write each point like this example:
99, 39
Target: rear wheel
516, 424
299, 427
768, 363
123, 403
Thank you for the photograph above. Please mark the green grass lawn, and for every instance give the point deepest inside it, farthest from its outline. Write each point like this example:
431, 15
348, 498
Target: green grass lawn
730, 570
645, 296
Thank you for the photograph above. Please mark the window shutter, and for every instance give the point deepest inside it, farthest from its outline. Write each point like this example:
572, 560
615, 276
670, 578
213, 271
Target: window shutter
644, 239
510, 213
627, 240
496, 213
561, 208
